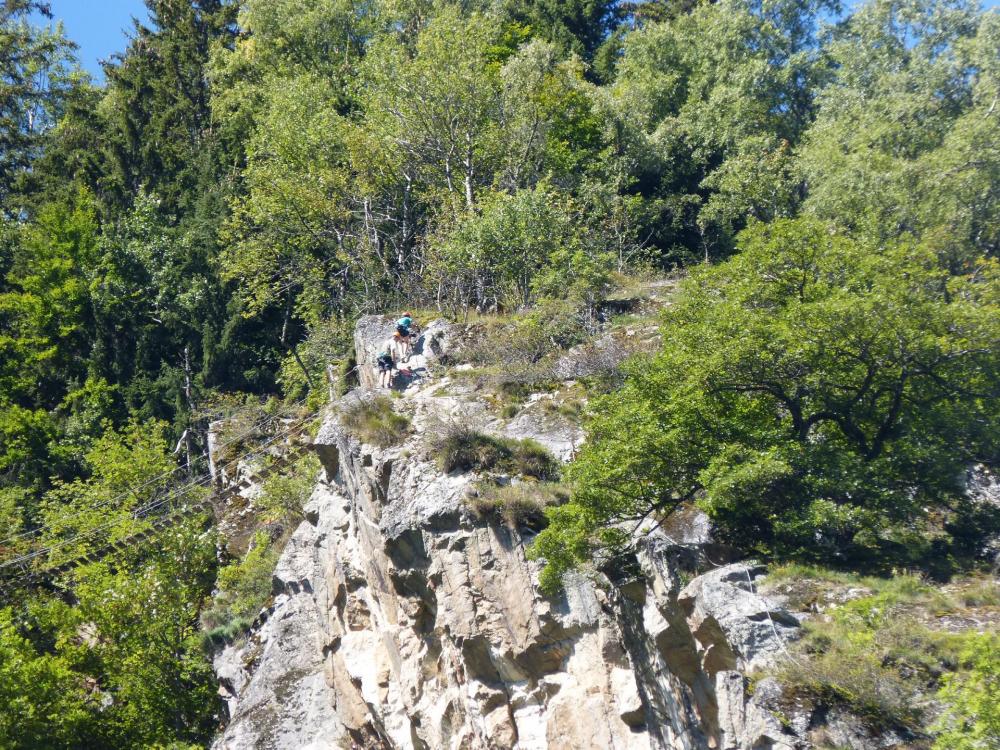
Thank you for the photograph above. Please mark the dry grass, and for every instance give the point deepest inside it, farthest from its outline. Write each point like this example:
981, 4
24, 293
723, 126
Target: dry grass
520, 504
460, 448
376, 422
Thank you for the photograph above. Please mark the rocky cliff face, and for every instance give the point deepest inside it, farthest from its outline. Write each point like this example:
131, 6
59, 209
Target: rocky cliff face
402, 620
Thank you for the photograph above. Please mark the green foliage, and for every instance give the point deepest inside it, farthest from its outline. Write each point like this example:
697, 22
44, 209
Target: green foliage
971, 720
376, 422
578, 26
243, 588
905, 142
295, 196
499, 257
123, 665
325, 343
460, 448
145, 617
204, 228
35, 69
47, 324
492, 257
877, 646
875, 654
155, 110
44, 701
706, 106
819, 397
284, 495
126, 471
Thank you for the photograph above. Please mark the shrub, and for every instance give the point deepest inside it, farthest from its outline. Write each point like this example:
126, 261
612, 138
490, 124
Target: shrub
874, 654
461, 448
521, 346
375, 422
227, 632
347, 375
244, 587
531, 459
325, 342
520, 504
284, 495
971, 719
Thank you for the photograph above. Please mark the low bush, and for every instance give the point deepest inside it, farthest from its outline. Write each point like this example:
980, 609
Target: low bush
461, 448
346, 374
877, 654
284, 495
376, 422
520, 504
243, 588
879, 672
529, 338
531, 459
228, 632
971, 718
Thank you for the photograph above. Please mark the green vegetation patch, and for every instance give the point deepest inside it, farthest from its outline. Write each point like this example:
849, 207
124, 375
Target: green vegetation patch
464, 449
971, 697
819, 395
244, 586
376, 422
518, 504
883, 654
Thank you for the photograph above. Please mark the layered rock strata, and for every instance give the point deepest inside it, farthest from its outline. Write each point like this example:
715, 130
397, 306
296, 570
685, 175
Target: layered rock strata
402, 620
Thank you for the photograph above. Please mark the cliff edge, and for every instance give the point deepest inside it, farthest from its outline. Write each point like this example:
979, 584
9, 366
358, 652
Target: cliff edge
403, 619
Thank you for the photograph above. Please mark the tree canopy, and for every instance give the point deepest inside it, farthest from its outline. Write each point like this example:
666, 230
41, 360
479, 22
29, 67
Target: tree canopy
201, 230
818, 396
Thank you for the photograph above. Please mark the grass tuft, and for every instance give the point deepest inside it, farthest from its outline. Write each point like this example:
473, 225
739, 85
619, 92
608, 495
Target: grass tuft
376, 422
461, 448
518, 505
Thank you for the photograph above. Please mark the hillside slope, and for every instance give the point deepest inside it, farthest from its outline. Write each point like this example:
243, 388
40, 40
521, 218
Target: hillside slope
402, 618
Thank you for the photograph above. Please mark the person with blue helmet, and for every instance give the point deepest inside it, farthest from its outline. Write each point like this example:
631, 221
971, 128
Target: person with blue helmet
403, 324
403, 329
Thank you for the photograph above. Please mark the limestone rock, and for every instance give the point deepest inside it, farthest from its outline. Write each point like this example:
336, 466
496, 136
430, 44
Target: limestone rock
402, 620
735, 626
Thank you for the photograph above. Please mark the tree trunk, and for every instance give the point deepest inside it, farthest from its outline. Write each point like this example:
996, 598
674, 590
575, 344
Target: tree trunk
292, 349
470, 173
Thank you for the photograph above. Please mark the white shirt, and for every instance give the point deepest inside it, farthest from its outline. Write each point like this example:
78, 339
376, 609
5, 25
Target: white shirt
397, 349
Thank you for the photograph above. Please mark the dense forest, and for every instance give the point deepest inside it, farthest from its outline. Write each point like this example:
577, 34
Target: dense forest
201, 231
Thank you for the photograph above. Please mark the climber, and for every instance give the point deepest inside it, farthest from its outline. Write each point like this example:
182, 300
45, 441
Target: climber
386, 361
403, 331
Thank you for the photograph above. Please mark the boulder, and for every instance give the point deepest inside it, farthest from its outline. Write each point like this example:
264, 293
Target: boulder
736, 628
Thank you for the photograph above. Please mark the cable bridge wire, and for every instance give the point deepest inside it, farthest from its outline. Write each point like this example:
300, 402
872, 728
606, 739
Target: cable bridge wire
144, 511
35, 577
135, 490
137, 512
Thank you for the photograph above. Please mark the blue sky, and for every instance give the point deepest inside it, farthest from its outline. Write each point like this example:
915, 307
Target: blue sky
99, 28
